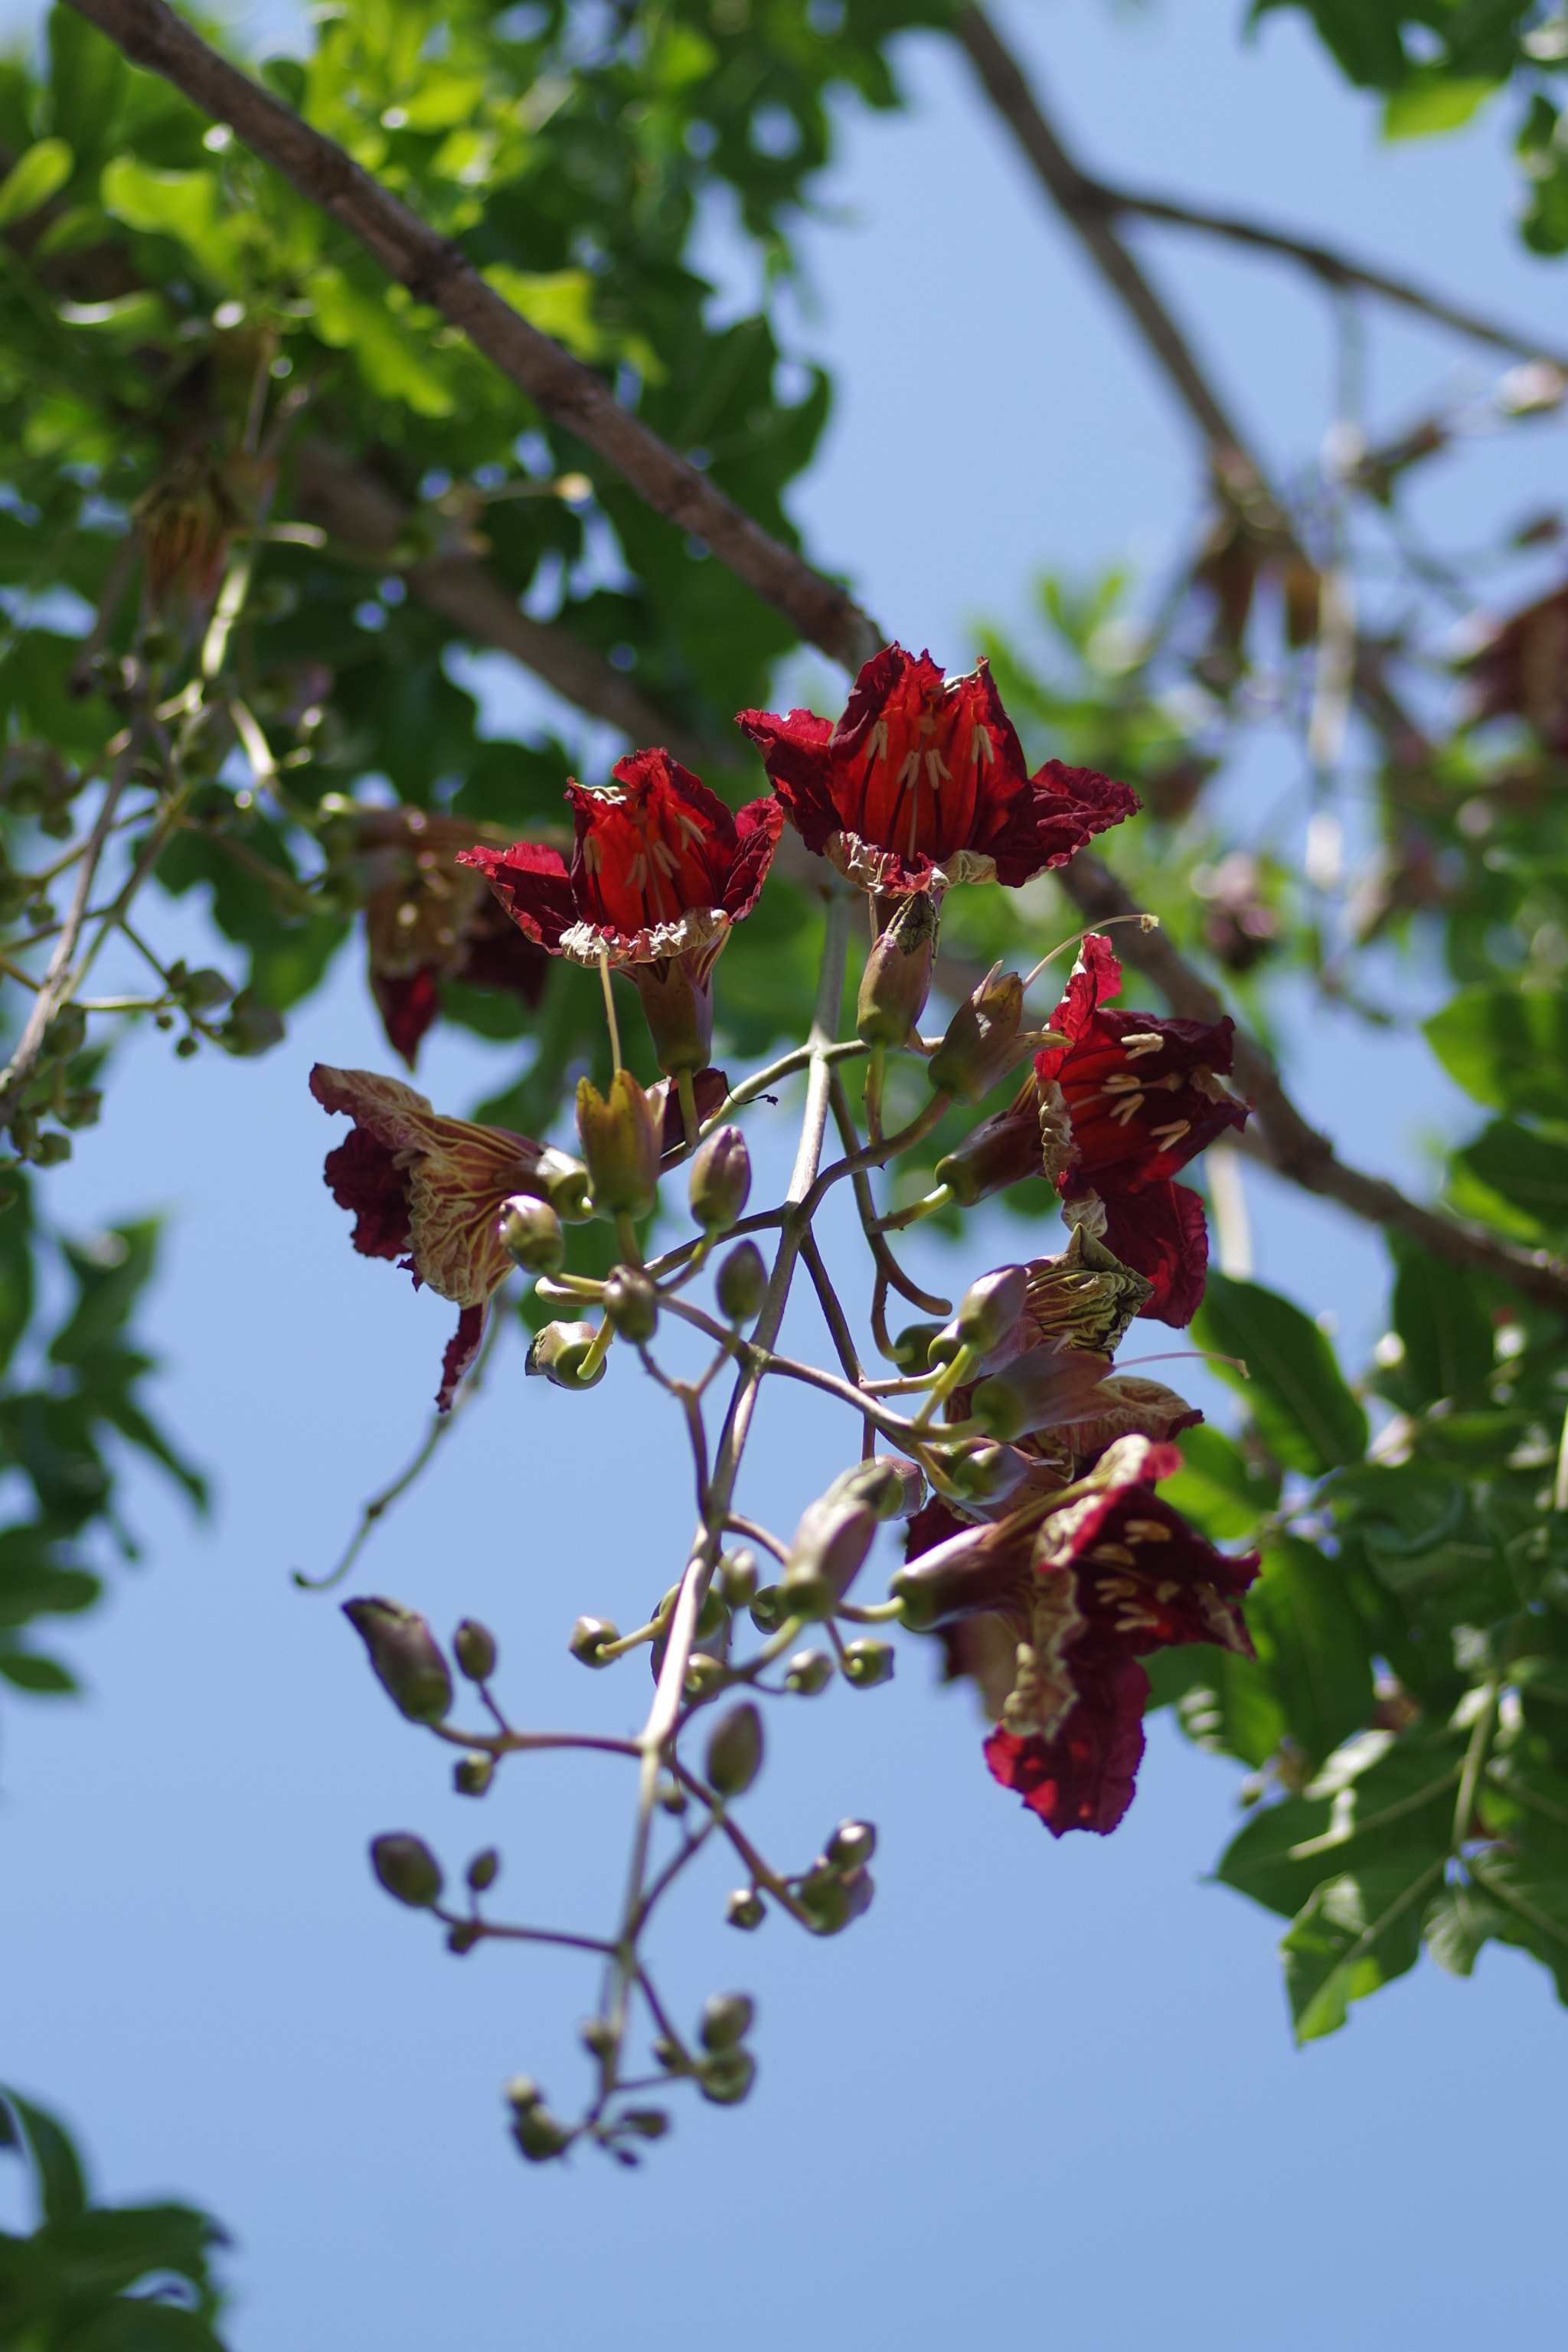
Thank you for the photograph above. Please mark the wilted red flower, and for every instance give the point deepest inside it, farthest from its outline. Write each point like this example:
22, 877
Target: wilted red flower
435, 1188
1522, 671
922, 782
659, 870
1162, 1232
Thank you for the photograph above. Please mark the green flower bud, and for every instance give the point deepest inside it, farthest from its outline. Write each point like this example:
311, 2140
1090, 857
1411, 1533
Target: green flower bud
66, 1034
558, 1352
742, 1284
522, 2092
474, 1646
649, 2123
851, 1846
887, 1484
990, 1308
484, 1870
472, 1775
726, 2020
829, 1546
912, 1348
407, 1869
832, 1898
408, 1665
987, 1473
597, 2034
622, 1135
631, 1302
672, 1796
737, 1577
565, 1182
51, 1149
727, 2076
745, 1908
704, 1675
1048, 1388
808, 1671
720, 1179
538, 2134
590, 1637
866, 1663
768, 1610
735, 1751
531, 1236
897, 979
1000, 1151
982, 1041
463, 1937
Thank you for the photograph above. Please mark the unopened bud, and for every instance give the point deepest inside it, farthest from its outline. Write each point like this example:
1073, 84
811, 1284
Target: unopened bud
703, 1675
897, 979
832, 1898
1000, 1151
631, 1302
737, 1577
591, 1636
621, 1134
463, 1937
472, 1775
971, 1572
735, 1751
538, 2134
484, 1870
830, 1544
987, 1473
558, 1353
768, 1610
912, 1348
742, 1283
726, 2020
727, 2076
407, 1663
720, 1179
991, 1306
597, 2034
808, 1671
531, 1235
851, 1846
887, 1485
474, 1646
66, 1034
407, 1869
565, 1182
649, 2123
672, 1796
745, 1908
868, 1662
982, 1041
1048, 1388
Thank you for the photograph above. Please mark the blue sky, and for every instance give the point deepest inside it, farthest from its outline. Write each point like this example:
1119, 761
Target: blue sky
1040, 2091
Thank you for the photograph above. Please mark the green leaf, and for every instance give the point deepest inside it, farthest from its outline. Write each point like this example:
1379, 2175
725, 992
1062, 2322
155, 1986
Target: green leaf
39, 174
1507, 1049
1312, 1646
1513, 1177
43, 1677
62, 2189
385, 352
1216, 1487
1222, 1703
1449, 1346
1355, 1935
1305, 1414
110, 1271
1434, 102
186, 206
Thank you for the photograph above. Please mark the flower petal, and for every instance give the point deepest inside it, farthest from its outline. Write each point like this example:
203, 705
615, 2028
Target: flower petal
461, 1349
1161, 1231
1083, 1776
532, 884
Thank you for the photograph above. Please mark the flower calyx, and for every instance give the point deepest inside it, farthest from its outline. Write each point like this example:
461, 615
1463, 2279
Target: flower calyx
622, 1136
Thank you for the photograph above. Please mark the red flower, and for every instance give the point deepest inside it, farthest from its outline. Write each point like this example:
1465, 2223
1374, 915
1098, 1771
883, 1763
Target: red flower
922, 783
1162, 1232
659, 870
433, 1187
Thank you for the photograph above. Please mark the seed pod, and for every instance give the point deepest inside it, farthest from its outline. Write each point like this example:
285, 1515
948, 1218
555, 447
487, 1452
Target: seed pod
472, 1775
737, 1577
990, 1308
631, 1302
557, 1354
851, 1846
830, 1544
866, 1663
407, 1663
621, 1134
590, 1637
897, 979
745, 1908
720, 1179
726, 2020
727, 2076
982, 1041
808, 1671
407, 1869
742, 1284
474, 1646
735, 1751
531, 1235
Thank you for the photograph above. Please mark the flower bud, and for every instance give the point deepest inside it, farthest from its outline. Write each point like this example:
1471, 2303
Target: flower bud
987, 1473
407, 1869
970, 1573
472, 1775
66, 1034
565, 1182
1048, 1388
704, 1675
590, 1637
742, 1284
912, 1348
621, 1141
1000, 1151
408, 1665
484, 1870
631, 1302
737, 1577
649, 2123
597, 2034
672, 1796
463, 1937
768, 1610
832, 1898
808, 1671
897, 979
735, 1751
726, 2020
982, 1041
991, 1306
727, 2076
558, 1351
537, 2133
851, 1846
830, 1543
474, 1646
887, 1485
745, 1908
678, 1008
720, 1179
868, 1662
531, 1236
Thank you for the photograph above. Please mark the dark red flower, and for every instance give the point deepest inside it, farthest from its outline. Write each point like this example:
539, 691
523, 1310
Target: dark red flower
660, 869
922, 782
435, 1188
1162, 1232
1085, 1778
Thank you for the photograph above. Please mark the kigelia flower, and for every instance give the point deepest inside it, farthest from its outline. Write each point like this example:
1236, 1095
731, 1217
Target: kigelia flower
922, 783
1124, 1102
660, 869
1087, 1583
435, 1188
